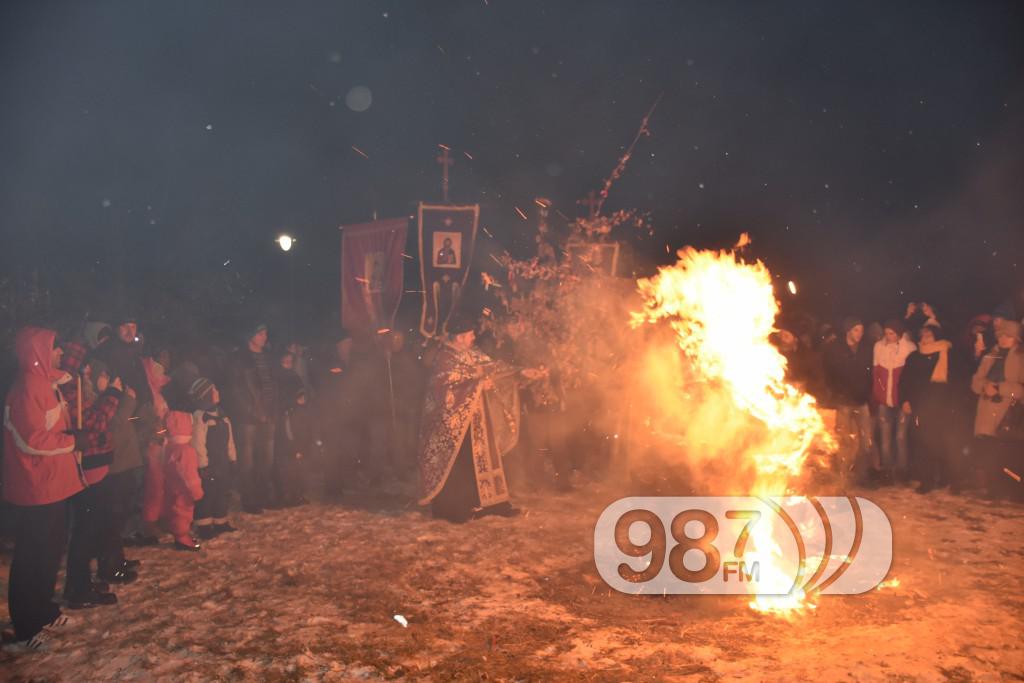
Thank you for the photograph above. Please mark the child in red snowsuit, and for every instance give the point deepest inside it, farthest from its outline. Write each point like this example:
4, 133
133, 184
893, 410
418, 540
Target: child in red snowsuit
153, 484
182, 486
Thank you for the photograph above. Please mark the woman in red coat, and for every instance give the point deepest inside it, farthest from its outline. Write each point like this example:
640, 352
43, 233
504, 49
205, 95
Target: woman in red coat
41, 472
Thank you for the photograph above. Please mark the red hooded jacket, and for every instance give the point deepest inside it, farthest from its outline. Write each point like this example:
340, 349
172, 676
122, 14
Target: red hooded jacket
40, 466
181, 472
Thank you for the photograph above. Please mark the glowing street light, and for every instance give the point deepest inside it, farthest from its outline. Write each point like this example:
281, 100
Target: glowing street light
286, 242
792, 287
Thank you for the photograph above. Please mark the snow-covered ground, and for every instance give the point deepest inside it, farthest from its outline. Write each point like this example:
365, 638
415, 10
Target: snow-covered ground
313, 593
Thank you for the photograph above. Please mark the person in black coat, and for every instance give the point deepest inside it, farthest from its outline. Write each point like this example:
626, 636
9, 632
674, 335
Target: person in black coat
122, 354
929, 402
847, 362
214, 441
294, 443
251, 402
331, 404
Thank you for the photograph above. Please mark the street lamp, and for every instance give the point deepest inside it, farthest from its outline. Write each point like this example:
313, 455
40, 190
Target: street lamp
285, 242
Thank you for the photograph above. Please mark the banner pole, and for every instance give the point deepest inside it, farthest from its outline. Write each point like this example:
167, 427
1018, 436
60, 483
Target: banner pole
391, 395
79, 401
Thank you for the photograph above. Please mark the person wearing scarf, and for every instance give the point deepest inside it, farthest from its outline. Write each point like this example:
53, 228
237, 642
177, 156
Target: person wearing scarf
998, 381
890, 355
929, 403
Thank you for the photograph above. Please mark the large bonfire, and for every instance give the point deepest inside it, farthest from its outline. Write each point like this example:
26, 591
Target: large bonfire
722, 311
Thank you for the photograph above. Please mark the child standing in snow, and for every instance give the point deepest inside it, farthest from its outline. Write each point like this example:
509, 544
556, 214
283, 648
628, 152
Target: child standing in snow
153, 484
99, 398
293, 442
182, 487
215, 447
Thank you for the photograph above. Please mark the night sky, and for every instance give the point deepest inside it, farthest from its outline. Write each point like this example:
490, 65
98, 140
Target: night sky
872, 150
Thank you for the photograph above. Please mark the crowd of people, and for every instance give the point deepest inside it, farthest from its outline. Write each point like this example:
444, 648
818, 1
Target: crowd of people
112, 444
916, 402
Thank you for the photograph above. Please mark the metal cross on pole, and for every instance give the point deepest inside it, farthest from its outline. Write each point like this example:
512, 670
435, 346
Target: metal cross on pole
445, 163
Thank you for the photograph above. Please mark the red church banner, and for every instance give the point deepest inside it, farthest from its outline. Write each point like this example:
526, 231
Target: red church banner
447, 235
371, 272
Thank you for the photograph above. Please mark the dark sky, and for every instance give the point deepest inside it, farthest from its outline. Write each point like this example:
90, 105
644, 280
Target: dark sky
873, 150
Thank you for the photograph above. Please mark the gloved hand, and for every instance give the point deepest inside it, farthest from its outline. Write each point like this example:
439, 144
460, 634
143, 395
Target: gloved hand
81, 439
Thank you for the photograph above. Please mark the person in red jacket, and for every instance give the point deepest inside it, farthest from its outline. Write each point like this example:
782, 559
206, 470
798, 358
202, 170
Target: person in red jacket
153, 484
181, 478
41, 472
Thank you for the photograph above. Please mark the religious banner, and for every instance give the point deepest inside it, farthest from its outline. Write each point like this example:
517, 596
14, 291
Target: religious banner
371, 272
447, 236
594, 257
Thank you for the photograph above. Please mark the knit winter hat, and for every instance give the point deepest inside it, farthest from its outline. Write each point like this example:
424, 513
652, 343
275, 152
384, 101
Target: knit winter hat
895, 325
851, 322
1004, 310
253, 330
201, 394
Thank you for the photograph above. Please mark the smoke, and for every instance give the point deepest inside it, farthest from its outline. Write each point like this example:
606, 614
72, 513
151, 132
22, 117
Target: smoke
676, 377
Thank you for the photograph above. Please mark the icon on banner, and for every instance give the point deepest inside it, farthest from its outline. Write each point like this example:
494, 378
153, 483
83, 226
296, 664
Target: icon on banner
447, 249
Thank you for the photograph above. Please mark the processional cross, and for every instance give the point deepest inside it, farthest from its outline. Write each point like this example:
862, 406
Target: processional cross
445, 163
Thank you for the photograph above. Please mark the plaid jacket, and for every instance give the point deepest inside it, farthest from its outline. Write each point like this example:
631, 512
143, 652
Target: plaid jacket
96, 417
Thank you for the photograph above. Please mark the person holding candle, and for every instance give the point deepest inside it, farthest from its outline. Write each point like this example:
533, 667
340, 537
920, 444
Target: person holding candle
94, 398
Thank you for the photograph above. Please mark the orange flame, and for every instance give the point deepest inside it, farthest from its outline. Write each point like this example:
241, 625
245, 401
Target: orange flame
723, 311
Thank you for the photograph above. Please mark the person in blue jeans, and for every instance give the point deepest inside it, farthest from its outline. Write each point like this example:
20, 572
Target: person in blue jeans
889, 358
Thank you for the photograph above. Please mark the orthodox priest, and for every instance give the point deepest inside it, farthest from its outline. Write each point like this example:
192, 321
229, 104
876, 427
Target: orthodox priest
470, 420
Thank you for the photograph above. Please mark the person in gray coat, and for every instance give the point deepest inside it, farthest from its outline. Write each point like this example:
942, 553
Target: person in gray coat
999, 381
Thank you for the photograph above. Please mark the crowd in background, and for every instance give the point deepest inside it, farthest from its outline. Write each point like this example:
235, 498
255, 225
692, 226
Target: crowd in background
111, 442
917, 402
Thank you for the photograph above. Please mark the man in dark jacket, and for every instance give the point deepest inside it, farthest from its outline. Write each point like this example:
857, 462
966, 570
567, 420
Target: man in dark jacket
848, 377
251, 404
123, 356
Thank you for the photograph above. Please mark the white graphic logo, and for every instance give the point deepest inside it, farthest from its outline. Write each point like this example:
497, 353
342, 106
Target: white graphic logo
743, 545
